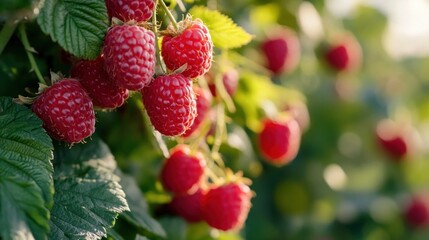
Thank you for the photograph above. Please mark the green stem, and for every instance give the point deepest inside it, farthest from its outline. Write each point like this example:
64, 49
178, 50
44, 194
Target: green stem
6, 33
220, 127
170, 16
159, 142
29, 50
155, 31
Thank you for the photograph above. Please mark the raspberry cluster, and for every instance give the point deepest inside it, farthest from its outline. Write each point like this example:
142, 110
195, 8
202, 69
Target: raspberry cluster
176, 106
127, 63
223, 205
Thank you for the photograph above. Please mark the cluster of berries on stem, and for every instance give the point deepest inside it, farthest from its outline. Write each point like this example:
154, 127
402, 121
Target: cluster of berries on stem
177, 104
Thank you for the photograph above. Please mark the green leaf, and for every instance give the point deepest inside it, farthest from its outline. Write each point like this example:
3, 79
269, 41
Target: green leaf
224, 32
175, 227
88, 197
26, 185
78, 26
139, 214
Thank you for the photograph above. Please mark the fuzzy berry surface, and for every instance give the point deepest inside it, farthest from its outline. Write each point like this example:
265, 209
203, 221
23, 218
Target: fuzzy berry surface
103, 91
66, 111
127, 10
183, 170
204, 100
129, 53
191, 46
189, 206
226, 207
170, 103
279, 140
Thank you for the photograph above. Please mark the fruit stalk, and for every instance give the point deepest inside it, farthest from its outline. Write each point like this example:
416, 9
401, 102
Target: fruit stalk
29, 50
6, 33
155, 31
170, 16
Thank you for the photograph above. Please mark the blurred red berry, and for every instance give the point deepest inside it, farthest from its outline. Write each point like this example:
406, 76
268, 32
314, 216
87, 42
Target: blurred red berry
229, 79
226, 207
279, 140
396, 139
189, 206
183, 170
417, 212
344, 55
281, 50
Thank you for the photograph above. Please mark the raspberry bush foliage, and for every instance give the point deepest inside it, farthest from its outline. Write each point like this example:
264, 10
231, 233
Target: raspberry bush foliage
207, 119
95, 96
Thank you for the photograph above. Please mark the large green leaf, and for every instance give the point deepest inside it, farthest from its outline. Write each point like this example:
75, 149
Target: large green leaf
88, 196
224, 32
26, 186
78, 26
139, 214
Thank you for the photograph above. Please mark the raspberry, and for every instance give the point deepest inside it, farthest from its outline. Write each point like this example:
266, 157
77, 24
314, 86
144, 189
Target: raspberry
101, 89
129, 53
189, 206
345, 55
127, 10
417, 212
66, 111
203, 106
281, 51
229, 80
397, 139
226, 207
170, 104
279, 140
192, 46
183, 170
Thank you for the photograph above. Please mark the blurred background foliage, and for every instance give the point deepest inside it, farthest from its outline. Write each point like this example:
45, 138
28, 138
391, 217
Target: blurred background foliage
341, 185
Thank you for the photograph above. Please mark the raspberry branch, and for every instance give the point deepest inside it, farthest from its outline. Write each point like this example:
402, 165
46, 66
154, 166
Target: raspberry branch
155, 31
6, 33
170, 16
157, 136
29, 50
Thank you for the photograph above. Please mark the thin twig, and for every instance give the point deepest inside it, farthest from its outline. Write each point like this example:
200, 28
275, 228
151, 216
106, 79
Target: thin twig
29, 50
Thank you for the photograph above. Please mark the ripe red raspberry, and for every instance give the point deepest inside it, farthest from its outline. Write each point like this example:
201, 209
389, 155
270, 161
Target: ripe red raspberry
400, 140
417, 212
170, 103
191, 45
226, 207
203, 106
229, 80
189, 206
279, 140
345, 55
100, 87
127, 10
66, 111
281, 51
129, 53
183, 170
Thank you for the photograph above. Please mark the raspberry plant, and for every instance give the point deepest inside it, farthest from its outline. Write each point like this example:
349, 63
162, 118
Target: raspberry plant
81, 149
211, 76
